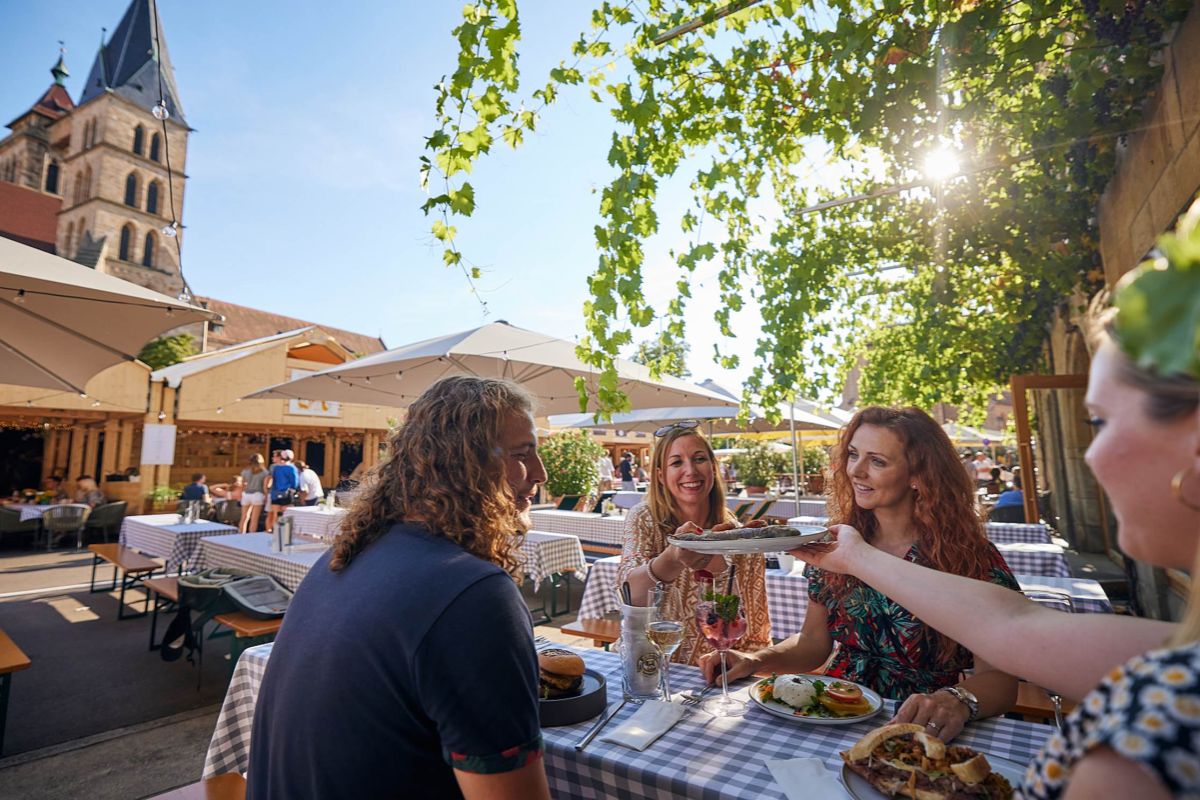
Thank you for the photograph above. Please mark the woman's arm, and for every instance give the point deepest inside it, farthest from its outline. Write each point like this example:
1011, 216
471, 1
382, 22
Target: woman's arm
1103, 773
640, 555
804, 652
996, 692
1066, 653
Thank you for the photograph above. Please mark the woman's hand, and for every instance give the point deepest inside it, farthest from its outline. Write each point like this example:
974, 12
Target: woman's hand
737, 665
690, 559
940, 712
841, 555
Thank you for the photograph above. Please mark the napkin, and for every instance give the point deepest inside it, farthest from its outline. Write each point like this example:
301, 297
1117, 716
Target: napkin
651, 721
806, 779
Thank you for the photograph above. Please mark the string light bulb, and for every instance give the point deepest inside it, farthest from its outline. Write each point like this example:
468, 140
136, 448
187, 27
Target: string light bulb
160, 111
162, 415
20, 298
170, 229
220, 409
83, 395
170, 312
95, 403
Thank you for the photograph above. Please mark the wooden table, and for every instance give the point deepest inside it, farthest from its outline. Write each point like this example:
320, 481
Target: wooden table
12, 659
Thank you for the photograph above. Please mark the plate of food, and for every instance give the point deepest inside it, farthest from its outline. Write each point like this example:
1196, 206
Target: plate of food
767, 539
903, 760
568, 692
816, 699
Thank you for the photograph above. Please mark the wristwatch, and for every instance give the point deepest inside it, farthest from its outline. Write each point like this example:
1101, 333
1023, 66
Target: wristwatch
966, 697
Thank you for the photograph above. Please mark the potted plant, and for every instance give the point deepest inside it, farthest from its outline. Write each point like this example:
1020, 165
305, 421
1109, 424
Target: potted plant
162, 499
757, 466
816, 461
571, 466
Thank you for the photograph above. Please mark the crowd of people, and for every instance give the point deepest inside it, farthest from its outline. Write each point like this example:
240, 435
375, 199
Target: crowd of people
911, 599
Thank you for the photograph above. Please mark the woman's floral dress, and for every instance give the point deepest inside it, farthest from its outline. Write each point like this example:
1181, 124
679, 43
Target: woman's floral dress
1147, 710
884, 647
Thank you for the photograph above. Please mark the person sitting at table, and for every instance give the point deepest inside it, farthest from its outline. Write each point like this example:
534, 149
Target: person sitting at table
405, 666
684, 494
53, 491
87, 492
254, 495
1012, 495
229, 491
994, 486
1137, 681
897, 478
197, 489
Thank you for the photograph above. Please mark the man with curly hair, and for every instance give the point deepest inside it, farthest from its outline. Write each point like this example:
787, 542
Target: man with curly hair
405, 666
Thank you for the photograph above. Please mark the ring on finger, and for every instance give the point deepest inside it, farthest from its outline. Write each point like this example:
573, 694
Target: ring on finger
931, 724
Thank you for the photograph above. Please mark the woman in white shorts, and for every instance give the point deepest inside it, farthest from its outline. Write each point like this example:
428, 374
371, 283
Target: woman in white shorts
254, 495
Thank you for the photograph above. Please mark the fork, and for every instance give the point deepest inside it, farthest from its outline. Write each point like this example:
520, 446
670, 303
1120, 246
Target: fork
694, 698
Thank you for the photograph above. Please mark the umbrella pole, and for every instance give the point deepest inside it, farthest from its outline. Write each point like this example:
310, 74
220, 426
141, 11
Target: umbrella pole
795, 466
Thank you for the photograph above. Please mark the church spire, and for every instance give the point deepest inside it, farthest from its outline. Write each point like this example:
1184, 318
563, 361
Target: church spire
130, 62
59, 70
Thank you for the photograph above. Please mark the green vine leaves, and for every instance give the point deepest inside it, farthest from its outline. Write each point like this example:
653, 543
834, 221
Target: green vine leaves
938, 290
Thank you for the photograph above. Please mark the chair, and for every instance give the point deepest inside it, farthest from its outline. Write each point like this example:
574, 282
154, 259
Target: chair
106, 518
762, 510
68, 518
1059, 601
741, 510
228, 512
1007, 514
10, 522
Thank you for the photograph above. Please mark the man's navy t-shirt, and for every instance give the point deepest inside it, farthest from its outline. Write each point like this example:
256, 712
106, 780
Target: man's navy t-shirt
194, 491
626, 468
415, 656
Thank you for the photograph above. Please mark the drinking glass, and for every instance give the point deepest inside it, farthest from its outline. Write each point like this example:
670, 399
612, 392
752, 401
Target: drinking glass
721, 618
664, 629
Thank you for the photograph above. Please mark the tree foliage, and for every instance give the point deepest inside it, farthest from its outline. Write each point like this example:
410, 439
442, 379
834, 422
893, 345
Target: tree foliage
571, 460
167, 350
664, 356
945, 287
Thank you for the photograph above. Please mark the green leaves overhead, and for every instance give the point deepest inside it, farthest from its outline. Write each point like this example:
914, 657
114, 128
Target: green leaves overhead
942, 290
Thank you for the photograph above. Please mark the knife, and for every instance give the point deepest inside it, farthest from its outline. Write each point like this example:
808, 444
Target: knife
597, 726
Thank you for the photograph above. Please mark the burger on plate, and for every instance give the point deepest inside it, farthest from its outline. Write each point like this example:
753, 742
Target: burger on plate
560, 673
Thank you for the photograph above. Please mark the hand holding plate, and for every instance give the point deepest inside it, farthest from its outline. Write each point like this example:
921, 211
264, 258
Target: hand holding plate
840, 555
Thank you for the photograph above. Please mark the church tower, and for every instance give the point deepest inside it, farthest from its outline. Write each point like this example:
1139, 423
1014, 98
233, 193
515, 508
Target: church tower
117, 153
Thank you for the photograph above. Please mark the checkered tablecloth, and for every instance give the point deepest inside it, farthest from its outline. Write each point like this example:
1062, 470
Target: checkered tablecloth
545, 554
315, 522
1018, 532
787, 595
1047, 560
29, 512
163, 536
252, 552
229, 749
701, 757
588, 527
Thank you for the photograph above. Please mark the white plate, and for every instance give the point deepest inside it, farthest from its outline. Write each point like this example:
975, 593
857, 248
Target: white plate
787, 712
859, 789
776, 544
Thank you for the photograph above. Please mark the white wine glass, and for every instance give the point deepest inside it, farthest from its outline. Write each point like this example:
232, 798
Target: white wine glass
664, 629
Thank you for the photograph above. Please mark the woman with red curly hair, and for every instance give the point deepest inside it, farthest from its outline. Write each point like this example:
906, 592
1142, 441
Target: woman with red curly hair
897, 479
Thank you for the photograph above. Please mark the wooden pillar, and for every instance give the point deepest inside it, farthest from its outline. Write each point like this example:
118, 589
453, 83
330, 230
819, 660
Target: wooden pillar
370, 450
49, 453
75, 458
108, 458
125, 446
91, 451
333, 458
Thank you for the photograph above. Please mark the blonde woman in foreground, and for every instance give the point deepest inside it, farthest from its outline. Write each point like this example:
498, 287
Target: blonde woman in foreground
1136, 731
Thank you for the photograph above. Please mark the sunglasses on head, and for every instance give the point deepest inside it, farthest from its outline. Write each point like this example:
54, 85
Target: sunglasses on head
683, 425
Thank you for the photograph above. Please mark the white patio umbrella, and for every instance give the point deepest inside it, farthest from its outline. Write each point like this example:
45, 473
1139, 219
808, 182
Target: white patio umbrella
547, 367
61, 322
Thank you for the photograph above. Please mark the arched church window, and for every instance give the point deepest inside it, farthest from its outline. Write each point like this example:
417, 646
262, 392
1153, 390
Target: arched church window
131, 190
139, 136
148, 250
152, 197
155, 147
52, 178
126, 243
69, 241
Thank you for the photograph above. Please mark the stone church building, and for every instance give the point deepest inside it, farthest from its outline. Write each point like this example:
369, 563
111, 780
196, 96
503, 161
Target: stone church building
102, 181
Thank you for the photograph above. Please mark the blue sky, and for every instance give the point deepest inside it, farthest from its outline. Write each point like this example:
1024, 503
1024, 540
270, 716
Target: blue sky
302, 194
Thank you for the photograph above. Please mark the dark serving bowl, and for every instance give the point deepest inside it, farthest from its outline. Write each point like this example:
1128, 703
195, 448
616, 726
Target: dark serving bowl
591, 700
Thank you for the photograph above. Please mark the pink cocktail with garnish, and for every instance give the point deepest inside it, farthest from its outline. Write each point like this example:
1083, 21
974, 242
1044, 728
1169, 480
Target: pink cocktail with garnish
721, 620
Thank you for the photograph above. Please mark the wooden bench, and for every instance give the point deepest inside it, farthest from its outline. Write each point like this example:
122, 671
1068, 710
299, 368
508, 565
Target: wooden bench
247, 632
163, 589
230, 786
12, 659
1033, 703
602, 632
133, 566
600, 549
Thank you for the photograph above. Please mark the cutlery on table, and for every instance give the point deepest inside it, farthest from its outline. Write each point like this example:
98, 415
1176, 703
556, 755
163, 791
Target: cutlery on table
601, 721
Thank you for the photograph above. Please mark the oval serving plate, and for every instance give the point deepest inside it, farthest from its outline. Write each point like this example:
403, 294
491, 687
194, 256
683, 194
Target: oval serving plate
775, 544
591, 700
859, 789
787, 712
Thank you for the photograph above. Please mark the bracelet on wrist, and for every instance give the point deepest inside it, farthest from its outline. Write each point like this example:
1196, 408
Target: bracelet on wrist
967, 698
653, 575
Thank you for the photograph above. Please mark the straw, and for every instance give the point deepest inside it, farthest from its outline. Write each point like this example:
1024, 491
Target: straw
729, 583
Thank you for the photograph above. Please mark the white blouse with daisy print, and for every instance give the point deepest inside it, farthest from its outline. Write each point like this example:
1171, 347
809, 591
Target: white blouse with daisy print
1147, 711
